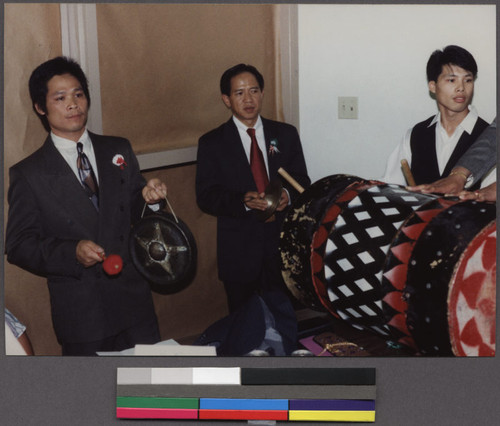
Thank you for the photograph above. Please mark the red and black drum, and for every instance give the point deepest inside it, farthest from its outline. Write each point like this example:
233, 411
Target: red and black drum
472, 295
414, 268
446, 242
350, 247
301, 222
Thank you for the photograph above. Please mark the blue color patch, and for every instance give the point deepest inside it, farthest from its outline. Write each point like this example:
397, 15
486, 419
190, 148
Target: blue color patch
243, 404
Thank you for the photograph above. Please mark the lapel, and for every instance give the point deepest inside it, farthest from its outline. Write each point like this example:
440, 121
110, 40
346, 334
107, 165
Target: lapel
236, 157
270, 133
111, 177
65, 187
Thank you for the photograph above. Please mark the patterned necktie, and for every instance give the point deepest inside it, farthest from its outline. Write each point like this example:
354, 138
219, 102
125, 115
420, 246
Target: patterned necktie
257, 163
87, 176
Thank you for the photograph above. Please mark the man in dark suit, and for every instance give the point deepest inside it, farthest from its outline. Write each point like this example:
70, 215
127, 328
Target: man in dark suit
432, 147
247, 248
61, 228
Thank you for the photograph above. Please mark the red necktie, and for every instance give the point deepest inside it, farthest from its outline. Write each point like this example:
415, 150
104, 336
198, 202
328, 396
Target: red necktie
257, 163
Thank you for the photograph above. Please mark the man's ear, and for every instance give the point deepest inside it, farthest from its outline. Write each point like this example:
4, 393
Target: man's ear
226, 101
39, 110
432, 86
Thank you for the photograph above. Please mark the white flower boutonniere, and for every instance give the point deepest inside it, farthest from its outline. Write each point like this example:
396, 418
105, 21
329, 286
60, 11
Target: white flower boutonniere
119, 161
273, 147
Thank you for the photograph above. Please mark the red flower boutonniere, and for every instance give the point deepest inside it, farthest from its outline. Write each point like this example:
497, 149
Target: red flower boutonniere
273, 147
119, 161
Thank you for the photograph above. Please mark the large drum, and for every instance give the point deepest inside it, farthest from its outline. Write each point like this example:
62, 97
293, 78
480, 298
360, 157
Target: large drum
388, 260
298, 228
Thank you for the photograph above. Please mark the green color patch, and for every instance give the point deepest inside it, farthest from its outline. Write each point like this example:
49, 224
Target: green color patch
156, 402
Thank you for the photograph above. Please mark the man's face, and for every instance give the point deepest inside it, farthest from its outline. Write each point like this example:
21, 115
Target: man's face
454, 89
245, 99
67, 107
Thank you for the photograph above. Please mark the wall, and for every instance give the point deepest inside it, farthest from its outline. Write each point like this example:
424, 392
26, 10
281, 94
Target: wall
379, 53
34, 35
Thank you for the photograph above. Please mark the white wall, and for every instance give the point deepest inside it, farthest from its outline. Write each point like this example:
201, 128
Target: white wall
379, 54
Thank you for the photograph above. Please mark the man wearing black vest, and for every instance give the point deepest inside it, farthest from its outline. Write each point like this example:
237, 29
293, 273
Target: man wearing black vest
433, 147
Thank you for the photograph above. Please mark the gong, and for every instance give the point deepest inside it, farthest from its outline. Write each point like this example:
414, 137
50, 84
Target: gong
163, 250
272, 195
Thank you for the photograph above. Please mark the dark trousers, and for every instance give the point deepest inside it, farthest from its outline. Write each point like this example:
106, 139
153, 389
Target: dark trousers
146, 333
241, 290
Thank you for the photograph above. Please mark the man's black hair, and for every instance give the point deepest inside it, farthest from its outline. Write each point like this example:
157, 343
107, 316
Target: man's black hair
225, 81
450, 55
41, 76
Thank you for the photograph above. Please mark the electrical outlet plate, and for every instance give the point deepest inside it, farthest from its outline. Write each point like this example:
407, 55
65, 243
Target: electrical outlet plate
348, 107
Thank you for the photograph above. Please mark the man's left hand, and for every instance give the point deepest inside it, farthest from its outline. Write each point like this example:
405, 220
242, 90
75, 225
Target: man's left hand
154, 191
284, 200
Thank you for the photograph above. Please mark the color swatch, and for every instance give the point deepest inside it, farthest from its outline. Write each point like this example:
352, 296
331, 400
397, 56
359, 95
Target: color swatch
285, 394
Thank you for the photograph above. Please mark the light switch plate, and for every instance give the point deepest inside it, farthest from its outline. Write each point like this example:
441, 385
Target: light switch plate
348, 107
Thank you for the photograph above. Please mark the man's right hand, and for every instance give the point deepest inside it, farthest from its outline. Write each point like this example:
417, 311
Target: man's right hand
450, 185
255, 201
89, 253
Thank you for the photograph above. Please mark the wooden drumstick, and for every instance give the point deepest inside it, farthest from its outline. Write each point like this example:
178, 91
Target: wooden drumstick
290, 180
407, 172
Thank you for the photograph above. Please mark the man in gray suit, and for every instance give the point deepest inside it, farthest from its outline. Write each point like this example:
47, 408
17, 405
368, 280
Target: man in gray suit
61, 228
474, 165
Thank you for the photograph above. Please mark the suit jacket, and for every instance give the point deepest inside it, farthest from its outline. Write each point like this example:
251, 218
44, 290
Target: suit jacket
424, 164
481, 157
223, 176
49, 213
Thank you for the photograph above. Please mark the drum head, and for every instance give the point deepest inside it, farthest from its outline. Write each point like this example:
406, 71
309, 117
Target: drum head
164, 252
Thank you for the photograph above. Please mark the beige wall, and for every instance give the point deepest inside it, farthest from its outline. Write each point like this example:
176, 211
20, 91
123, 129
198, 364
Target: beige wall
160, 68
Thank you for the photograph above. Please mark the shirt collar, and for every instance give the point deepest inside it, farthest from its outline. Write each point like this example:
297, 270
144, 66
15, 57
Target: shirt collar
467, 123
243, 127
67, 144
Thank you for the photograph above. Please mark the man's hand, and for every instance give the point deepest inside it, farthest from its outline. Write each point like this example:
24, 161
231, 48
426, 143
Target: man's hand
255, 201
489, 193
154, 191
284, 200
450, 185
89, 253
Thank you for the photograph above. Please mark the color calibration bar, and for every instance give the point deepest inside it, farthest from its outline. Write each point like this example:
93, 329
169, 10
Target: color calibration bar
286, 394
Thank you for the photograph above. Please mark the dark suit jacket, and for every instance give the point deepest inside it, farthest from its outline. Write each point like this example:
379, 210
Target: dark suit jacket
481, 157
49, 213
223, 176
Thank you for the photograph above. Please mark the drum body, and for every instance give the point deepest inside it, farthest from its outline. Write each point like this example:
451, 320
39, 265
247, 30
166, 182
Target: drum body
350, 249
301, 222
398, 263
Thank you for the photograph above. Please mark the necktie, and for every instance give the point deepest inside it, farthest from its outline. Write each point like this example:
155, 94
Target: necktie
257, 163
87, 176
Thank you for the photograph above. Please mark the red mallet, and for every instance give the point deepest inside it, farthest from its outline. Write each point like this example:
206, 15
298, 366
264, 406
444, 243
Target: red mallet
112, 264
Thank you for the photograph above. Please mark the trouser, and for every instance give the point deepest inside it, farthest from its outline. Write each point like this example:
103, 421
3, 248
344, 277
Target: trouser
144, 333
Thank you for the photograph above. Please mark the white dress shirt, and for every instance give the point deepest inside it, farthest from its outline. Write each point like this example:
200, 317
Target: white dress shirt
445, 145
247, 141
67, 149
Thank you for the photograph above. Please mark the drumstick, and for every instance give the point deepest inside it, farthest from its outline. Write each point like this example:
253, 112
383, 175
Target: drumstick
291, 180
407, 172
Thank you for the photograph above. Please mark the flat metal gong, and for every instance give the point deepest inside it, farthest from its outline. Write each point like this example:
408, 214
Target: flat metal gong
163, 250
272, 196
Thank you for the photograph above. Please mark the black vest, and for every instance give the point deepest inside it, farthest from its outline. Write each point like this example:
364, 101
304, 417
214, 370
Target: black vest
424, 165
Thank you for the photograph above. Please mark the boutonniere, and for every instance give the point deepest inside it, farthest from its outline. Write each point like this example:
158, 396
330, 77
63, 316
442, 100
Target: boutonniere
273, 147
119, 161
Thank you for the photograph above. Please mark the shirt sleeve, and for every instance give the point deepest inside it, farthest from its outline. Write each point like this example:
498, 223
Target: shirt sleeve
393, 172
481, 157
